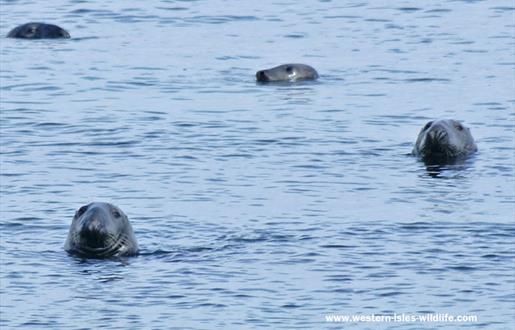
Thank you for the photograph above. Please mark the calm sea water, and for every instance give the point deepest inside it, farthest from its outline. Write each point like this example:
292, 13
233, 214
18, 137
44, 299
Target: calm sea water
258, 206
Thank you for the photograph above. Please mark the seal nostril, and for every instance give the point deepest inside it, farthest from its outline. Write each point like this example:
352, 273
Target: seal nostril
93, 225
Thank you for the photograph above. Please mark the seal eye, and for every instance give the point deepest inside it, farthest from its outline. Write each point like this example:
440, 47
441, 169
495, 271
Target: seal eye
458, 126
289, 69
428, 125
116, 214
81, 211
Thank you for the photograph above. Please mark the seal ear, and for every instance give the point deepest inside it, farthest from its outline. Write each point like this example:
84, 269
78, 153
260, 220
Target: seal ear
81, 211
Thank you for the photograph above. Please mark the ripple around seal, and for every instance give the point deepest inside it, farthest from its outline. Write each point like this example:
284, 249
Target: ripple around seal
256, 205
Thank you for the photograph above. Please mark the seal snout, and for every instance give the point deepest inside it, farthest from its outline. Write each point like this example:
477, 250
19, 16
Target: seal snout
436, 135
261, 76
94, 231
436, 143
94, 238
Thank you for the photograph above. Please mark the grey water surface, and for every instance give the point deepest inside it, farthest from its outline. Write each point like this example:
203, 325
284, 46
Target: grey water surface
257, 206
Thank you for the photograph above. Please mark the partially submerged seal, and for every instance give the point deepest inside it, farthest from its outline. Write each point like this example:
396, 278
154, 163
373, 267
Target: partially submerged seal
444, 140
101, 230
287, 72
35, 30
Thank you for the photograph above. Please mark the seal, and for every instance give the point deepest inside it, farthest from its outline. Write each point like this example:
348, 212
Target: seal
101, 230
444, 140
35, 30
287, 72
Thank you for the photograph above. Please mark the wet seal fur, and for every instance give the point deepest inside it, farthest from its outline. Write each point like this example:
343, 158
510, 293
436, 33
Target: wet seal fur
101, 230
35, 30
287, 72
444, 141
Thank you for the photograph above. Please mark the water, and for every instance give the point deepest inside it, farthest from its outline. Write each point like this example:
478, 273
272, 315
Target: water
257, 206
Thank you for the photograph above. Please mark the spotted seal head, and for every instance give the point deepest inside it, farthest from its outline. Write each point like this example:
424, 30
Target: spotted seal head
444, 140
35, 30
101, 230
287, 72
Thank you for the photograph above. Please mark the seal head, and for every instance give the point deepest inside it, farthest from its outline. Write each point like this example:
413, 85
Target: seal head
444, 140
35, 30
101, 230
287, 72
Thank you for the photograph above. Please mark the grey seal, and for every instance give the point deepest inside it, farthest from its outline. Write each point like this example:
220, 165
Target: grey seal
444, 140
35, 30
101, 230
287, 72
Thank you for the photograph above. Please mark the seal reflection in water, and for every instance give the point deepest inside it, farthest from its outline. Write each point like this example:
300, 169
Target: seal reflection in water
287, 72
444, 141
36, 30
101, 230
